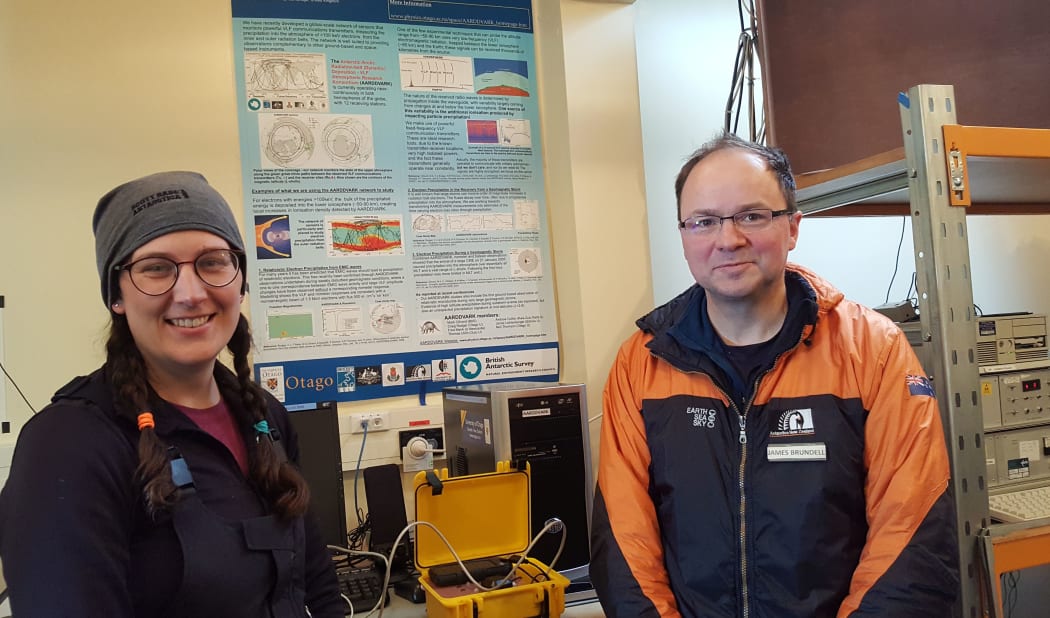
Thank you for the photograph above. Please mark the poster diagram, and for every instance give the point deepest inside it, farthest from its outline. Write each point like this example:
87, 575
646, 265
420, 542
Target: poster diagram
436, 74
348, 141
512, 132
525, 263
273, 239
480, 222
285, 81
342, 321
501, 77
283, 324
526, 214
428, 223
482, 132
387, 318
346, 236
515, 132
320, 141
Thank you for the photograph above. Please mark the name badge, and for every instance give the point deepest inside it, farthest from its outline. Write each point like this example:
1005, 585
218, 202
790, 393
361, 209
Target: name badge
812, 451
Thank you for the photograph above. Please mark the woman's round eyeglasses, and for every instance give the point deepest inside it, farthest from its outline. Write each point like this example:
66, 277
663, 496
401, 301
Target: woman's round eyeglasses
154, 276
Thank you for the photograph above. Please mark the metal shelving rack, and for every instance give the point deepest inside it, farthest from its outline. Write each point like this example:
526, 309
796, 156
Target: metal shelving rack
943, 172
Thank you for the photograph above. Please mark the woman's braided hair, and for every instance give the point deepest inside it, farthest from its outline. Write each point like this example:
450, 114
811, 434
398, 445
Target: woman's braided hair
277, 480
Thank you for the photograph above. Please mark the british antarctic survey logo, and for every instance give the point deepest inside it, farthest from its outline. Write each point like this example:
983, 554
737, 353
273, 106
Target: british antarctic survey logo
794, 423
470, 367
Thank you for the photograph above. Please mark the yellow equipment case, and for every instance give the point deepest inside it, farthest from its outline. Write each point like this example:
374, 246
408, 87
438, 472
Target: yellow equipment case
482, 516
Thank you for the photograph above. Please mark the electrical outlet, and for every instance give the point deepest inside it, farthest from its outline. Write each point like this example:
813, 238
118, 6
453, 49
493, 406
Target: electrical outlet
433, 435
377, 421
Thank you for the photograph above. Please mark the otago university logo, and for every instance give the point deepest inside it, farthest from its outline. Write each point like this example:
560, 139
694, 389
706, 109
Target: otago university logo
794, 423
702, 417
272, 379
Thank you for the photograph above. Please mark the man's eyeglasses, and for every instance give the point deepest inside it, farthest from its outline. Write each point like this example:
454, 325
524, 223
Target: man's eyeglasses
154, 276
745, 221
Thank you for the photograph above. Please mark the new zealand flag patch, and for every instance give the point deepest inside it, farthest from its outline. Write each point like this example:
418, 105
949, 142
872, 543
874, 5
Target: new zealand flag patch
919, 385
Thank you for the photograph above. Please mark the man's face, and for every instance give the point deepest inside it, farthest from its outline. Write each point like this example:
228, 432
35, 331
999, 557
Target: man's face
736, 265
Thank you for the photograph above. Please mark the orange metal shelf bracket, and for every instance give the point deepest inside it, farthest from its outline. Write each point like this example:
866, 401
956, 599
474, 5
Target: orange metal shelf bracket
964, 141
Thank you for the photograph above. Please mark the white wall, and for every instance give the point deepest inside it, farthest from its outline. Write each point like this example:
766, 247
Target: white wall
604, 136
106, 91
686, 50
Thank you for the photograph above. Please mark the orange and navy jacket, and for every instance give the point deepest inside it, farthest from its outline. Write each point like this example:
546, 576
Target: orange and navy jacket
824, 494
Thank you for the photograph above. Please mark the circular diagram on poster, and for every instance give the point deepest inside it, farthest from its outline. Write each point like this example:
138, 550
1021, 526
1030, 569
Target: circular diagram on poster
386, 318
528, 261
347, 141
288, 141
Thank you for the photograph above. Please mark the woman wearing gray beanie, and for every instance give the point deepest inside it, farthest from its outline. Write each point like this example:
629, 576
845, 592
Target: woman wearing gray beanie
162, 483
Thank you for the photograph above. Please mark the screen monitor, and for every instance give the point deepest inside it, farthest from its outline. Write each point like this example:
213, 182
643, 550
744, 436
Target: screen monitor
321, 463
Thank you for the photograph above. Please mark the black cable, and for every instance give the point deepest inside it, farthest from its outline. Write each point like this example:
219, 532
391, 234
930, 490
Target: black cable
356, 537
733, 82
357, 472
907, 295
746, 45
15, 384
1012, 579
897, 261
743, 74
533, 577
977, 308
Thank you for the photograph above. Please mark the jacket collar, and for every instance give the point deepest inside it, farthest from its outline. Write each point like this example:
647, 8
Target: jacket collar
95, 389
683, 335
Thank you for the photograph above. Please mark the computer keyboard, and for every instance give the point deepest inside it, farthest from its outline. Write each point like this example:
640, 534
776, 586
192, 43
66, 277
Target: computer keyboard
362, 588
1021, 505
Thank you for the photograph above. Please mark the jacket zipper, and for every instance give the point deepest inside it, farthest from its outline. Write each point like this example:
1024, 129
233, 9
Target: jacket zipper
745, 604
743, 502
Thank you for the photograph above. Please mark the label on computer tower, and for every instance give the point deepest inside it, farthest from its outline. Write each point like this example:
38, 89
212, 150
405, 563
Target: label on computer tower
536, 412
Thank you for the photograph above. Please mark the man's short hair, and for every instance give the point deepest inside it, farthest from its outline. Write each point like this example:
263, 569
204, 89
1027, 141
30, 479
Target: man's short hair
775, 159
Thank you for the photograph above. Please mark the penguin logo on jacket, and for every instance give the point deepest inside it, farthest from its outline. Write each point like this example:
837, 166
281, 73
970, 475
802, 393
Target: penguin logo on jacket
794, 423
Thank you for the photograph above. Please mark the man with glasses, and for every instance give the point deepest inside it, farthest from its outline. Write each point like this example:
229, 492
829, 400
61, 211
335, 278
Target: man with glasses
768, 447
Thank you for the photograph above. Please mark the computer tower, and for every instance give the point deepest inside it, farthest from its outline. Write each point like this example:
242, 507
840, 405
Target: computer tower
544, 424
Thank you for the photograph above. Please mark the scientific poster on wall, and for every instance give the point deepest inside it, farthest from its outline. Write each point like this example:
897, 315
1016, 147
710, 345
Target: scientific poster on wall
393, 173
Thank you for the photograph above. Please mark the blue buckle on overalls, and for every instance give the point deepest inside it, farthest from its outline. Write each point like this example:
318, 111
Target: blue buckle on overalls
180, 472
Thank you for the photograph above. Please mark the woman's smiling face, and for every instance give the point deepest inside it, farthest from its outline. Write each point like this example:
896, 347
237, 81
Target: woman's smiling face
182, 330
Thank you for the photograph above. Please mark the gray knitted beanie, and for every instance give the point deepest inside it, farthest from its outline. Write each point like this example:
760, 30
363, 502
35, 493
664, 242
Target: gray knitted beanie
138, 211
